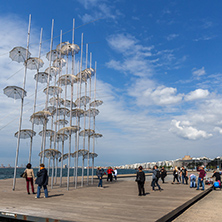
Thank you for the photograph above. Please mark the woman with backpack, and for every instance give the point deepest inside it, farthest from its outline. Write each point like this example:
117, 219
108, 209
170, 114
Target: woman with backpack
140, 179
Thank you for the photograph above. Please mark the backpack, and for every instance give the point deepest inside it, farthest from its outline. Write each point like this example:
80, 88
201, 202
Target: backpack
157, 174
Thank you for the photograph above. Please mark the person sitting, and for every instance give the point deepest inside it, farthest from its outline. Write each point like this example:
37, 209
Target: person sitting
217, 177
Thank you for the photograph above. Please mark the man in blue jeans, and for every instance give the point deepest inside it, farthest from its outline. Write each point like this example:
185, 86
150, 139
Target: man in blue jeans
42, 181
202, 174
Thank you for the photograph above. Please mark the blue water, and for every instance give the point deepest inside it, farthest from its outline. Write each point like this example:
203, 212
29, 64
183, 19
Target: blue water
6, 173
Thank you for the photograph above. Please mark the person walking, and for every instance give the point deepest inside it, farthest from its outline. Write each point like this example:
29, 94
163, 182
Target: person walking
115, 173
140, 179
100, 174
163, 174
202, 174
29, 178
184, 176
155, 178
42, 181
175, 175
110, 174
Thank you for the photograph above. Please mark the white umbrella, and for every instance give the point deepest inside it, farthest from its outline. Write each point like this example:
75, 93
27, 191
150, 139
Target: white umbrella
34, 63
67, 79
96, 103
18, 54
68, 103
14, 92
60, 137
96, 135
40, 117
48, 133
54, 100
77, 112
53, 90
42, 77
53, 70
92, 112
55, 54
87, 132
68, 129
61, 111
68, 49
26, 133
59, 62
82, 101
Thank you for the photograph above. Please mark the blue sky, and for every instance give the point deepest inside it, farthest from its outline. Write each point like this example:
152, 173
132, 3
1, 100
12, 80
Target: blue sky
159, 74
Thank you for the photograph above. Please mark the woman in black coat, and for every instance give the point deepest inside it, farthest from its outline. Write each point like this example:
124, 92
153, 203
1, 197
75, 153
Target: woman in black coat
42, 181
140, 179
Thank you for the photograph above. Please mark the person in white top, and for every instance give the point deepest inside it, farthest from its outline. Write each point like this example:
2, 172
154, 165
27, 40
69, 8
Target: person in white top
115, 173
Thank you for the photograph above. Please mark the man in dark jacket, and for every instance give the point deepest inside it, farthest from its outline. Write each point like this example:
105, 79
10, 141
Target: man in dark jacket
100, 174
42, 181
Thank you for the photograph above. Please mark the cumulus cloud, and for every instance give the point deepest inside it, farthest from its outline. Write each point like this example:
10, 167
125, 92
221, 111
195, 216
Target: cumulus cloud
197, 73
163, 95
197, 94
186, 131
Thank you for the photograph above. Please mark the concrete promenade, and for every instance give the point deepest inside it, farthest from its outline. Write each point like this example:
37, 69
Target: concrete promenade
118, 201
207, 209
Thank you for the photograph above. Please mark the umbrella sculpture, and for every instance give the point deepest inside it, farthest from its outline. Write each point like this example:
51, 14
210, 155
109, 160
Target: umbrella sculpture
72, 106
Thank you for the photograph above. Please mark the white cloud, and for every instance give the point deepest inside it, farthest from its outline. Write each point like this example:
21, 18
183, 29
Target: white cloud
197, 94
163, 96
186, 131
197, 73
218, 129
172, 36
98, 9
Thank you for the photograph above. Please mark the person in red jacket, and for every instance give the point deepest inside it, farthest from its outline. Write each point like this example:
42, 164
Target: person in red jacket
110, 174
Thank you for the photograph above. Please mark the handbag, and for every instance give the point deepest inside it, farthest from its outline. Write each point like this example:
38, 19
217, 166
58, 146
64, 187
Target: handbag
23, 175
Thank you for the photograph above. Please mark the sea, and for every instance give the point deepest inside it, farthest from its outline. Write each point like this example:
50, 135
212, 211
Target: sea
6, 173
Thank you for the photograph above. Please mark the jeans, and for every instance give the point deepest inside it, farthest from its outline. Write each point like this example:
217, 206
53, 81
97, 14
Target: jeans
100, 182
192, 183
39, 191
198, 184
184, 177
155, 181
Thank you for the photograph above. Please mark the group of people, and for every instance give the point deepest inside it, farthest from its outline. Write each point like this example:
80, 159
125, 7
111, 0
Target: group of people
110, 174
179, 175
41, 180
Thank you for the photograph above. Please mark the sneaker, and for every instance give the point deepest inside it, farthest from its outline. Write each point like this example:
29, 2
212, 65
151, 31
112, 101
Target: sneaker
28, 193
36, 197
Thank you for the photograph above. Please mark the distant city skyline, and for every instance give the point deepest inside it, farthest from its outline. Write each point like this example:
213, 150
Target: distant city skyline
159, 75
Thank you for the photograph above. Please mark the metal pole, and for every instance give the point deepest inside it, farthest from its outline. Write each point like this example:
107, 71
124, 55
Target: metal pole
22, 103
47, 91
94, 120
36, 90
